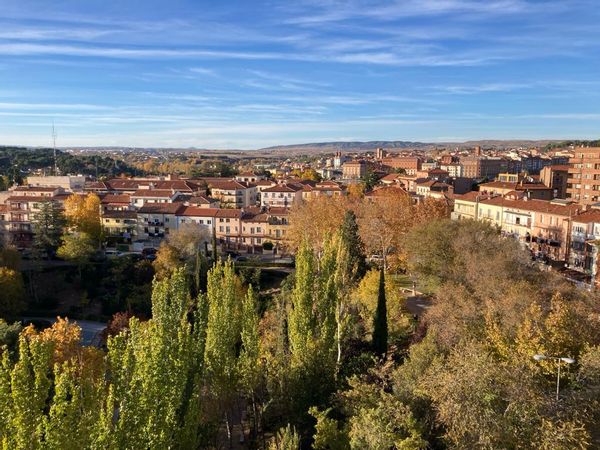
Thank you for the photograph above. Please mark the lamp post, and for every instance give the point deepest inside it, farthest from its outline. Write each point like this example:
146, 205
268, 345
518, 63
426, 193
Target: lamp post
558, 359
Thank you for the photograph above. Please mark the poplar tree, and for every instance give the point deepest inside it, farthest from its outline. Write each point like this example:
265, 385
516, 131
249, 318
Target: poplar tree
301, 318
249, 366
380, 327
30, 386
222, 335
150, 371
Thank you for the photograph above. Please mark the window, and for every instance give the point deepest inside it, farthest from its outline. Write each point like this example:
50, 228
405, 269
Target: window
166, 219
221, 229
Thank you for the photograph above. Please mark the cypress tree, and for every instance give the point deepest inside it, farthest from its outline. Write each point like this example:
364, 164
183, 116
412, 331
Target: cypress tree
356, 248
380, 326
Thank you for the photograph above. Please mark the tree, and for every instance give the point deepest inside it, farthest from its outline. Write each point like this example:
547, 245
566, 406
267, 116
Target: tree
286, 439
355, 259
328, 435
249, 365
12, 293
10, 257
9, 335
83, 215
182, 248
154, 369
387, 424
306, 174
48, 223
370, 179
314, 220
222, 337
380, 326
213, 243
78, 248
383, 222
364, 299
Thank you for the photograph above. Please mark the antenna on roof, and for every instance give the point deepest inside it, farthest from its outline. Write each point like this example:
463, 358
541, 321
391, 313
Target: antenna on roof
54, 148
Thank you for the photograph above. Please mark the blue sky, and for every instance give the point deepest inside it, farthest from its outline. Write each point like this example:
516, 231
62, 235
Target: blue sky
249, 74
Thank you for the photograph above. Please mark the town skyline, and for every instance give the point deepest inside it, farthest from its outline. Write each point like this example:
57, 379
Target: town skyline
235, 76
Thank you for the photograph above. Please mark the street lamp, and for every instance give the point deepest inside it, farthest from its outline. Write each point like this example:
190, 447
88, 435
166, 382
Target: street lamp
558, 359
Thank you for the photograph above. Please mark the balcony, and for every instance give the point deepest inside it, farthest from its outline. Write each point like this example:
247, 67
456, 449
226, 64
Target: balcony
19, 219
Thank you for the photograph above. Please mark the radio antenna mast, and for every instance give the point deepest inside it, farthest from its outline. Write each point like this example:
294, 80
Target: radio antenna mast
54, 148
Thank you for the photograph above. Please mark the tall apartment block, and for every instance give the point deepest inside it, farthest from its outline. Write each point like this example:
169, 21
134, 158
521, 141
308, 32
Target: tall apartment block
583, 183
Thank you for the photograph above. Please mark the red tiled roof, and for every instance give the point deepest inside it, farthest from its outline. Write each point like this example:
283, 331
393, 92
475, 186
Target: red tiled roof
284, 187
34, 189
115, 198
386, 191
560, 167
543, 206
194, 211
228, 185
279, 210
162, 193
514, 186
119, 215
589, 216
161, 208
29, 198
229, 213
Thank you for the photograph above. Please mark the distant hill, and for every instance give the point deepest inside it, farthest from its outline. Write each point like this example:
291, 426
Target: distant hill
327, 147
345, 146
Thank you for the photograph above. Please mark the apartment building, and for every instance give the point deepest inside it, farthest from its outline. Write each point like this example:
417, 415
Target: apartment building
233, 194
249, 177
228, 223
324, 188
433, 189
195, 215
281, 195
584, 235
543, 226
583, 182
482, 166
535, 191
70, 183
454, 169
131, 185
142, 197
354, 170
156, 220
255, 229
410, 164
22, 204
277, 227
120, 223
555, 177
115, 202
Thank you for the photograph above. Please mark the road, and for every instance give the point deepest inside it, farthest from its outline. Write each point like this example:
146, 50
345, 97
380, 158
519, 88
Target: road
417, 304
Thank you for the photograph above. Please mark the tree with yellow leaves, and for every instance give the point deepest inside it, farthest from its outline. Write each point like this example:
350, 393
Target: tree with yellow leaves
314, 220
83, 215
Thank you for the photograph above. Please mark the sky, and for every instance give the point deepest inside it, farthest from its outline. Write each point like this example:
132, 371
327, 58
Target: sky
250, 73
